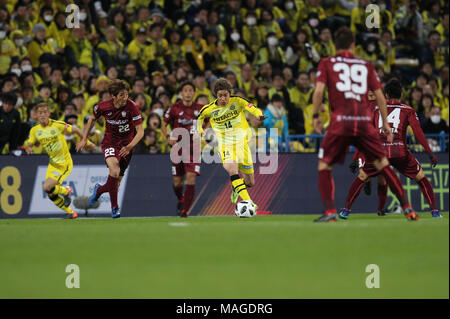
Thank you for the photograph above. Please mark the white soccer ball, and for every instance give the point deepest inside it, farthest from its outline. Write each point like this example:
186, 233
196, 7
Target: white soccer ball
245, 209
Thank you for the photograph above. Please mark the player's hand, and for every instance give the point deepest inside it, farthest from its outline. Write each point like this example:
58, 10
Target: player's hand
318, 125
262, 118
354, 167
433, 159
80, 145
124, 151
29, 150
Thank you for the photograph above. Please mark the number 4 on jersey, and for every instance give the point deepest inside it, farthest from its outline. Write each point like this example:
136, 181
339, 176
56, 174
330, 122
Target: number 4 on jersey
392, 118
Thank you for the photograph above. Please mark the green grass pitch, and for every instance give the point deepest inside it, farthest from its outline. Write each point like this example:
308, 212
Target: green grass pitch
277, 256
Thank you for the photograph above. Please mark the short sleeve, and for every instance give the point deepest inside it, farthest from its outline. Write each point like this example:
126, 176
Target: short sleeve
373, 83
97, 111
321, 75
136, 114
168, 117
63, 127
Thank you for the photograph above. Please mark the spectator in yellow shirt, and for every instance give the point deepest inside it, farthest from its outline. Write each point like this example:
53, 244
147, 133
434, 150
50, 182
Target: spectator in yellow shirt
111, 50
195, 48
139, 49
159, 50
41, 45
269, 25
325, 46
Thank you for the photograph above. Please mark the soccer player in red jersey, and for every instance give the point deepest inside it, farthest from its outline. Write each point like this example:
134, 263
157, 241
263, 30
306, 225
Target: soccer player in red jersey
123, 131
400, 116
182, 115
348, 80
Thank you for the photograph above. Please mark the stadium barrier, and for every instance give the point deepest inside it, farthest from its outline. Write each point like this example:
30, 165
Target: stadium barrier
146, 189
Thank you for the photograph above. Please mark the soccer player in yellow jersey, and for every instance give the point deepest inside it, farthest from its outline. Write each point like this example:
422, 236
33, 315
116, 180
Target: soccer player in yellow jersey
50, 135
227, 119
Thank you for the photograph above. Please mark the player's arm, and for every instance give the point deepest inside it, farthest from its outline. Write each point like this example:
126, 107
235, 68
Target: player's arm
124, 151
418, 133
317, 102
87, 128
381, 102
253, 110
205, 112
30, 142
77, 131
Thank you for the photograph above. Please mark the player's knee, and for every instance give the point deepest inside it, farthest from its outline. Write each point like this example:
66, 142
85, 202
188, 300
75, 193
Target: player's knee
250, 182
48, 188
324, 166
363, 177
114, 173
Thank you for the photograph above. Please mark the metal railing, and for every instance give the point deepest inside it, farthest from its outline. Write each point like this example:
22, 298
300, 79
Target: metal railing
301, 143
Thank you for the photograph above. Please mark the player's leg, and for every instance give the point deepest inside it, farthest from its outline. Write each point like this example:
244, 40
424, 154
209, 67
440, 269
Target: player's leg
245, 165
410, 167
332, 150
428, 193
49, 187
112, 184
189, 193
382, 195
370, 146
353, 193
178, 183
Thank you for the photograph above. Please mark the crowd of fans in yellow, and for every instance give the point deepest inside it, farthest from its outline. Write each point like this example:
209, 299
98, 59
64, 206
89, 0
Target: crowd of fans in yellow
268, 50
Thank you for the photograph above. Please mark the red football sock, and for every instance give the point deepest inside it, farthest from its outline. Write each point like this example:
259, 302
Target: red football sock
105, 188
113, 190
178, 192
353, 192
382, 196
188, 197
326, 188
396, 186
428, 193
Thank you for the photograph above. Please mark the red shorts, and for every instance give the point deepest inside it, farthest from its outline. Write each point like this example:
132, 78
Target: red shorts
180, 169
113, 151
333, 147
407, 165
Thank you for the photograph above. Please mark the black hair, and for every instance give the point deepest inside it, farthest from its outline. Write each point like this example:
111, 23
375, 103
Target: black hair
277, 98
9, 98
393, 89
187, 83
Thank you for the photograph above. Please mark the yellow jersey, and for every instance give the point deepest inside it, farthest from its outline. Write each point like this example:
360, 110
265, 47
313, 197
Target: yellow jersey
228, 122
52, 140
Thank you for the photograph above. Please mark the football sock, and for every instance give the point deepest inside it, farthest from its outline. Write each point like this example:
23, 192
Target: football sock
239, 187
59, 190
189, 193
428, 193
113, 190
382, 195
178, 190
105, 188
326, 188
353, 192
59, 201
396, 186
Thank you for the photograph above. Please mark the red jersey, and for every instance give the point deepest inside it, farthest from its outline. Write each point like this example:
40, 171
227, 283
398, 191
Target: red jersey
180, 115
348, 80
120, 122
400, 116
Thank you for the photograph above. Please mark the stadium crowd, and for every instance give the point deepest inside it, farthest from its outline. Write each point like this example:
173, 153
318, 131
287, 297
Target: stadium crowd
268, 50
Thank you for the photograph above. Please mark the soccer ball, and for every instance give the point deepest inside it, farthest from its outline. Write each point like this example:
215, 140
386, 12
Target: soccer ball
245, 209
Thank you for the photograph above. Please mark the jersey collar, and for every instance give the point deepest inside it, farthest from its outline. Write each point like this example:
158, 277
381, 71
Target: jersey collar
393, 102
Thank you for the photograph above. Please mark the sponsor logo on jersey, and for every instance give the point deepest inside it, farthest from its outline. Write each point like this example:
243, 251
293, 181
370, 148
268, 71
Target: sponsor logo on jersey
181, 113
195, 112
226, 116
118, 122
95, 108
124, 113
109, 114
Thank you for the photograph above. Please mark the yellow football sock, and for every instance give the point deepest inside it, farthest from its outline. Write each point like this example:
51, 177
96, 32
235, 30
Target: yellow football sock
60, 190
59, 201
239, 187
